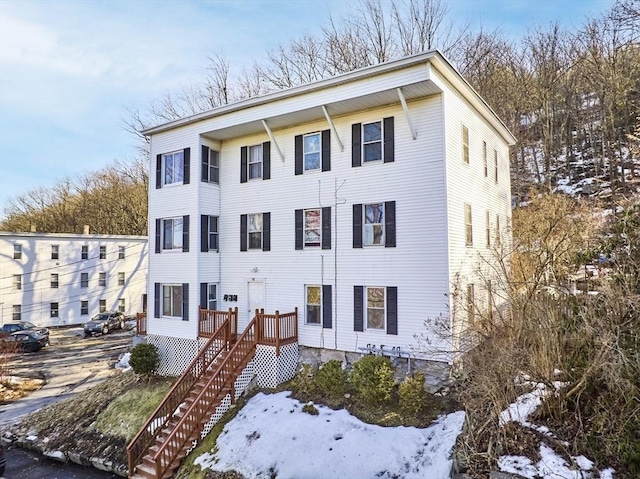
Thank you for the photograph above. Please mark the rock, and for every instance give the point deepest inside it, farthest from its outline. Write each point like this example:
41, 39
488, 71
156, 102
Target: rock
56, 456
504, 475
101, 464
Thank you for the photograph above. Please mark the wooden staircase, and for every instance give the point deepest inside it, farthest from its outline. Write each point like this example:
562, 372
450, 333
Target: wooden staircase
175, 427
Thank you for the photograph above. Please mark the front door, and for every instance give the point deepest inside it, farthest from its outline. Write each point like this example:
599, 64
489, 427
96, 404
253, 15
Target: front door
255, 298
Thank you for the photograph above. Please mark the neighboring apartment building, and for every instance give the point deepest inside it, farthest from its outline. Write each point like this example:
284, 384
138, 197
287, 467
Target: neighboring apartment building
364, 200
55, 279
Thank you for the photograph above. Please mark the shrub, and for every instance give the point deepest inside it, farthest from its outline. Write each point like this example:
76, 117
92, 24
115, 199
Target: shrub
372, 377
144, 359
303, 383
310, 409
331, 379
412, 395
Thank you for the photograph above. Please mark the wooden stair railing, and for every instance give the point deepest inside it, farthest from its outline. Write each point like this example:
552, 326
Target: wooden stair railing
206, 357
171, 448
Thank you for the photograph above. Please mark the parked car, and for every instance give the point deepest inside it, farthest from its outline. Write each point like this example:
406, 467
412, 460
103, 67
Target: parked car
104, 322
27, 340
3, 461
9, 328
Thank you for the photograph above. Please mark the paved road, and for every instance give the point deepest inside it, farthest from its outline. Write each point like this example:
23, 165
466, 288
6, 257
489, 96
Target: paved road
23, 464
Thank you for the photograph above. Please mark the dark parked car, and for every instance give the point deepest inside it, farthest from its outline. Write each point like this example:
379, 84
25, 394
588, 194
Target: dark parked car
9, 328
104, 322
3, 461
27, 340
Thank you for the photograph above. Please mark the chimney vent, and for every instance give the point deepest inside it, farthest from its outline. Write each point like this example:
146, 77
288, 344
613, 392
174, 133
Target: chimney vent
86, 230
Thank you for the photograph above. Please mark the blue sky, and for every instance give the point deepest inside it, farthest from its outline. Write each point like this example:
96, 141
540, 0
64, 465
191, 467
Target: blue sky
69, 69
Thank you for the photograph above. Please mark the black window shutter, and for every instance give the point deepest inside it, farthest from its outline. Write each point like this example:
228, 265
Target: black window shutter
357, 226
326, 306
186, 176
243, 232
204, 233
204, 161
390, 224
266, 231
389, 149
326, 150
358, 304
266, 160
356, 144
299, 228
185, 233
156, 300
158, 234
185, 301
392, 310
158, 171
326, 227
243, 164
298, 157
204, 295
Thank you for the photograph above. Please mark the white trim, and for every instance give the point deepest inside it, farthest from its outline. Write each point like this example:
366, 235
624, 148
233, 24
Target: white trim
273, 140
407, 114
334, 132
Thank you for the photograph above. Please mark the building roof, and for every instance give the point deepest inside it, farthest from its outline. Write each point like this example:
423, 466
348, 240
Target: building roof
72, 236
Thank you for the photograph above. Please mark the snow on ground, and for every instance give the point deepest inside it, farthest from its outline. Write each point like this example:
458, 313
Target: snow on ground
271, 435
123, 363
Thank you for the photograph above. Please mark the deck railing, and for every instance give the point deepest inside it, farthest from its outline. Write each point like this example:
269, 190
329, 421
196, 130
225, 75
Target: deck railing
210, 321
141, 324
277, 329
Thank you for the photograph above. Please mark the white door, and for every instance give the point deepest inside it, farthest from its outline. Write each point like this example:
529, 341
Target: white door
255, 297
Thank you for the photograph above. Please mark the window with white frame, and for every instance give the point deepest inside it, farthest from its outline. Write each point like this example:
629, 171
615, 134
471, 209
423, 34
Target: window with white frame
313, 300
465, 144
372, 141
212, 233
468, 226
211, 166
84, 308
489, 299
312, 227
495, 166
255, 162
102, 305
498, 233
255, 230
470, 303
375, 308
485, 160
121, 279
488, 228
17, 251
17, 281
121, 305
54, 280
172, 300
121, 250
172, 233
212, 297
16, 314
54, 310
173, 168
84, 252
373, 224
103, 252
55, 251
102, 279
312, 151
84, 280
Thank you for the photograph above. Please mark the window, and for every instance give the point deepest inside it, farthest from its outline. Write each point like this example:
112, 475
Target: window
172, 300
120, 279
495, 165
372, 142
17, 281
102, 279
313, 228
16, 315
55, 251
210, 165
470, 303
102, 305
212, 297
121, 305
172, 233
312, 151
208, 233
489, 299
84, 308
84, 252
103, 252
173, 168
498, 233
84, 280
375, 308
121, 250
465, 144
54, 310
54, 280
255, 162
485, 161
255, 231
468, 226
314, 304
488, 228
374, 224
17, 251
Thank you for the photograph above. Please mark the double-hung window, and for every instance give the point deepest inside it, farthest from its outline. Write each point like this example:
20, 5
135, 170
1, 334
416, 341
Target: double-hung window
374, 224
121, 305
465, 144
255, 162
208, 233
84, 280
372, 142
312, 151
485, 160
102, 305
313, 304
17, 312
17, 251
54, 280
55, 251
210, 168
102, 279
121, 250
84, 252
375, 308
172, 300
313, 228
468, 225
17, 281
255, 232
470, 303
54, 310
103, 252
84, 308
488, 228
121, 279
173, 168
495, 165
172, 233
